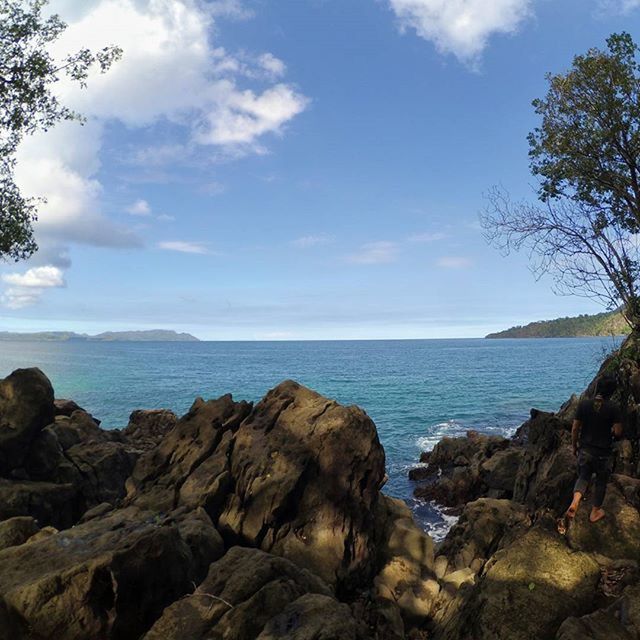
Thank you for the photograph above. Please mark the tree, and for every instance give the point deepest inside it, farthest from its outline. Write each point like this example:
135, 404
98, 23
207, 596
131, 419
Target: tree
28, 104
586, 154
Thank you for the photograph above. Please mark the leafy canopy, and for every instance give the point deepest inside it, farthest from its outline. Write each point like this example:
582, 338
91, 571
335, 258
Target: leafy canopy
28, 104
588, 145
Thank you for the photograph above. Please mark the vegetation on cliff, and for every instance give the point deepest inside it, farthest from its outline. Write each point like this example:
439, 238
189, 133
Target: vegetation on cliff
600, 324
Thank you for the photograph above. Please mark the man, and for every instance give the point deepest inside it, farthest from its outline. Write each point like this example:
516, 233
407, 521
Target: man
596, 423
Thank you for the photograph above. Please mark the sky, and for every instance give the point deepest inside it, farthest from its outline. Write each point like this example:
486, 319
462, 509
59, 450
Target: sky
295, 169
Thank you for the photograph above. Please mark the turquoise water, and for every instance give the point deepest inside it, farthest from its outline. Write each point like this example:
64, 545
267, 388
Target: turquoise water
416, 391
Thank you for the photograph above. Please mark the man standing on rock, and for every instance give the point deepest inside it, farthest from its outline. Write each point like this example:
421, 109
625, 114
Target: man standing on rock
596, 423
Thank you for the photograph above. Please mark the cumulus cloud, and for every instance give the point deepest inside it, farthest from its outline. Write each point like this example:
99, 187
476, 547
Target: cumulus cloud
171, 72
375, 253
26, 288
454, 262
183, 247
304, 242
139, 208
461, 27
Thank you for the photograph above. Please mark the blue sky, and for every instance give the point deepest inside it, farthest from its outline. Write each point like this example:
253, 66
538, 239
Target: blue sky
299, 169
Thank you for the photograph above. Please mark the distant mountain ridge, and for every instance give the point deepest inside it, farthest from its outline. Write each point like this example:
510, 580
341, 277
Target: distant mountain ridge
153, 335
599, 324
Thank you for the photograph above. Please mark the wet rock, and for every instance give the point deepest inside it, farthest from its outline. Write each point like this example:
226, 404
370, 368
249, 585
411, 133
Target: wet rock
26, 407
15, 531
243, 592
108, 578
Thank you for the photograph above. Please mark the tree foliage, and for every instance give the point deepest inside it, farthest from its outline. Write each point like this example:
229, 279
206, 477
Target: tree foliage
586, 154
28, 104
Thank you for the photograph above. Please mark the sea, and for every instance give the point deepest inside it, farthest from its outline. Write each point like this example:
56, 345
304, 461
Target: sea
416, 391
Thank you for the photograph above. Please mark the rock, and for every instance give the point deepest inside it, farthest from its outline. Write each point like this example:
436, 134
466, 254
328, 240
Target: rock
68, 407
15, 531
500, 470
26, 407
618, 621
440, 566
419, 473
547, 472
242, 593
526, 591
160, 474
617, 535
44, 457
485, 526
406, 555
107, 578
313, 617
96, 512
306, 475
45, 532
59, 505
79, 428
456, 579
146, 428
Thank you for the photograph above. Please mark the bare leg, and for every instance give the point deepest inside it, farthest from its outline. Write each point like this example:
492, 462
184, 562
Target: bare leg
575, 503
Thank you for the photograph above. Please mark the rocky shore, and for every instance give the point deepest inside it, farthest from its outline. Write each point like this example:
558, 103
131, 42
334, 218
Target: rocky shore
242, 521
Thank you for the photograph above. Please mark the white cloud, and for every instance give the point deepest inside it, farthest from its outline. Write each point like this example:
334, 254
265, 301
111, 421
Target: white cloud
139, 208
375, 253
618, 6
183, 247
170, 72
305, 242
454, 262
461, 27
26, 288
426, 237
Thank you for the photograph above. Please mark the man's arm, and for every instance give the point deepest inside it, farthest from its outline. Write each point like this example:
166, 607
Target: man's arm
575, 435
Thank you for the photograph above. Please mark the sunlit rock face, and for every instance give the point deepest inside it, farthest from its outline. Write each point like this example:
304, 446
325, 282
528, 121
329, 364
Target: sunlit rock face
297, 475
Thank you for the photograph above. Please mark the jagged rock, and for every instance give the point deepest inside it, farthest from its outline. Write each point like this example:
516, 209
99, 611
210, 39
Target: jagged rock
78, 428
547, 472
26, 407
160, 474
485, 526
146, 428
15, 531
617, 535
243, 592
406, 557
59, 505
109, 578
618, 621
68, 407
499, 472
306, 475
526, 591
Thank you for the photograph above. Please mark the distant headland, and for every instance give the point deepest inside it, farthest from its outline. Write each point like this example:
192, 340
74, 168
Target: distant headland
153, 335
599, 324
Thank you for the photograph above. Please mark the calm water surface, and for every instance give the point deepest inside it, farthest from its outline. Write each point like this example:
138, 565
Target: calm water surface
416, 391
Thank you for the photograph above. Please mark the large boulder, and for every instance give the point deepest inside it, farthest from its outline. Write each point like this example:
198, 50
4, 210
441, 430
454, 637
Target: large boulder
251, 594
526, 590
26, 407
306, 475
108, 578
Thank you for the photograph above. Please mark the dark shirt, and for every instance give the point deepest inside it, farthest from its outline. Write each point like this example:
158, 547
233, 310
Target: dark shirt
597, 417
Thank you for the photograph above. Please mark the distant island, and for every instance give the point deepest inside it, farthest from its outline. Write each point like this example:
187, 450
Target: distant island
600, 324
153, 335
